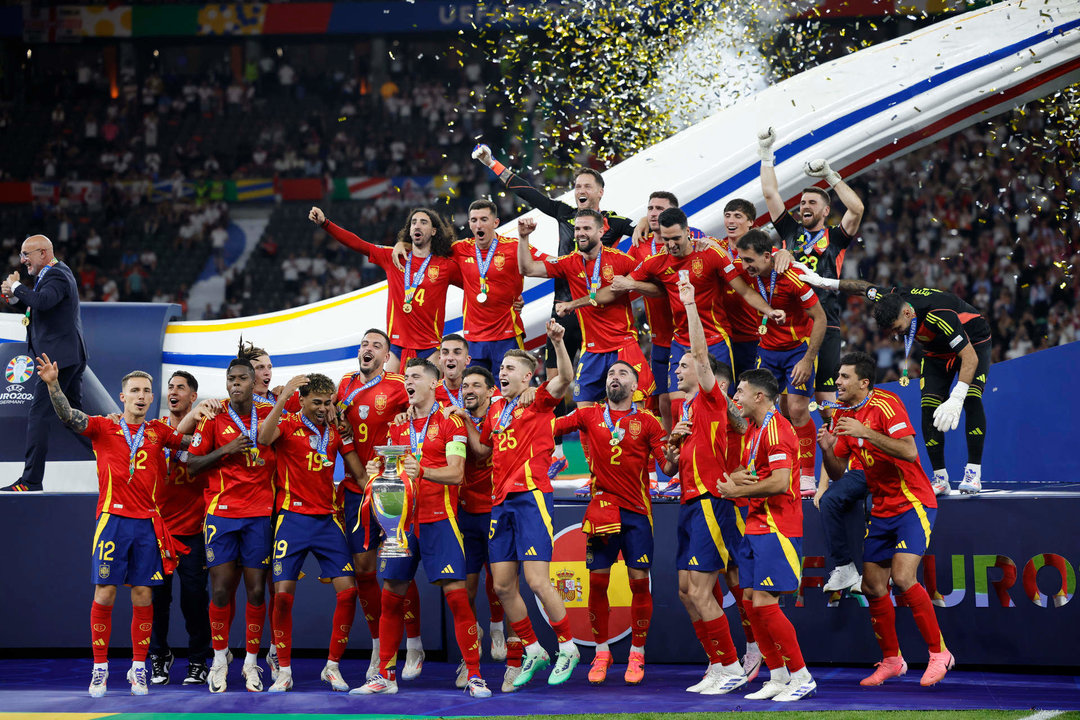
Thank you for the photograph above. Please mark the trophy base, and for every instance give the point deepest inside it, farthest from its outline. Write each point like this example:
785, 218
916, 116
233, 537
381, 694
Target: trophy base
393, 550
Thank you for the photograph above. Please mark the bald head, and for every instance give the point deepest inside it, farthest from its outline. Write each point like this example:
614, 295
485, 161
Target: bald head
37, 252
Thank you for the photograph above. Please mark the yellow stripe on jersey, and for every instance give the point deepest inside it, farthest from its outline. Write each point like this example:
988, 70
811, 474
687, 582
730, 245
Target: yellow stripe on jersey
102, 522
709, 514
288, 494
107, 503
920, 511
790, 555
452, 517
539, 497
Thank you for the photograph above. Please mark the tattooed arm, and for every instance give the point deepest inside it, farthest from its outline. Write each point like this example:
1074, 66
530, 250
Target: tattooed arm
71, 417
738, 422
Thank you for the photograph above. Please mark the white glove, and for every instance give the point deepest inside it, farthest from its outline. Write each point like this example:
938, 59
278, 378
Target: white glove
947, 415
813, 279
483, 153
765, 140
820, 168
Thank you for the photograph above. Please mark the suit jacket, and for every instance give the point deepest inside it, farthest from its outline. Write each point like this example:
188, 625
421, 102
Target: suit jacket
55, 325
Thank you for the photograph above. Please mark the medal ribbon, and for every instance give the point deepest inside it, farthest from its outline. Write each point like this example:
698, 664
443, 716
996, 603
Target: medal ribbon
594, 282
133, 443
412, 281
767, 298
482, 264
268, 398
457, 400
344, 404
757, 442
417, 443
324, 438
810, 241
37, 282
506, 414
908, 340
613, 427
686, 409
253, 432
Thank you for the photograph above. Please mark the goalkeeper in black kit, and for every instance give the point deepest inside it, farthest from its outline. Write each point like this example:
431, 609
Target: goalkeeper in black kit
956, 344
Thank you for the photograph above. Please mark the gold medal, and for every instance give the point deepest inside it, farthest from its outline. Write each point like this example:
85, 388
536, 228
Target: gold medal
481, 297
592, 301
614, 441
812, 406
407, 307
26, 321
904, 381
762, 330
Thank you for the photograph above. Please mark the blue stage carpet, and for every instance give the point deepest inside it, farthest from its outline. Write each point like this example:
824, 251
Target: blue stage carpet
60, 686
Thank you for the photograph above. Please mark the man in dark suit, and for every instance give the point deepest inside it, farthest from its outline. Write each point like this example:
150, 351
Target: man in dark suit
53, 327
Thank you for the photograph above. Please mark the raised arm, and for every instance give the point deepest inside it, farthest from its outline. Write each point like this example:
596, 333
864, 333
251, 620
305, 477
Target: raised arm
528, 266
699, 349
268, 428
770, 188
343, 236
48, 294
853, 204
520, 187
557, 385
49, 373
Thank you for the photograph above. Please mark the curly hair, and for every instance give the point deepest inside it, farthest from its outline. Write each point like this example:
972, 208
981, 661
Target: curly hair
444, 235
318, 384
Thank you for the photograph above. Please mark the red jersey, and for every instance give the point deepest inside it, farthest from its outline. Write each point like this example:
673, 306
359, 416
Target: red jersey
620, 473
520, 450
369, 412
444, 436
736, 443
237, 485
710, 273
604, 328
291, 405
703, 455
657, 309
896, 485
422, 327
775, 448
794, 297
743, 320
489, 320
120, 492
476, 490
447, 397
181, 497
305, 484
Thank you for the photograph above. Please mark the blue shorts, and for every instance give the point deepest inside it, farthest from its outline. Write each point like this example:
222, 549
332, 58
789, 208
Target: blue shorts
359, 540
744, 355
591, 379
474, 532
780, 363
772, 563
721, 351
708, 534
488, 354
405, 354
438, 544
125, 552
297, 534
246, 540
635, 540
659, 358
521, 528
908, 532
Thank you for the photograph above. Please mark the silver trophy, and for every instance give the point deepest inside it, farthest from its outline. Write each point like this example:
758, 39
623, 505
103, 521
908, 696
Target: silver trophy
388, 500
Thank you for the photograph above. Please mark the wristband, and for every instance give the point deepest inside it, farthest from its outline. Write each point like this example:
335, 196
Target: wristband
497, 167
829, 284
833, 178
768, 163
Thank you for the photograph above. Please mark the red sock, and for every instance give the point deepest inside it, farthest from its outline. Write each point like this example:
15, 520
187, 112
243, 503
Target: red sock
367, 588
748, 631
599, 607
721, 649
703, 637
783, 635
769, 651
494, 604
807, 435
465, 629
562, 629
514, 650
883, 621
232, 611
344, 612
925, 619
412, 610
142, 622
718, 593
283, 628
254, 615
391, 626
929, 564
524, 630
640, 610
219, 627
100, 629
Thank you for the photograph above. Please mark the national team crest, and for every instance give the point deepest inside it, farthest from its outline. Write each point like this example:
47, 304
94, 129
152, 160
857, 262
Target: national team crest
363, 411
380, 402
432, 433
499, 262
517, 412
103, 571
698, 266
823, 242
567, 574
433, 273
635, 427
277, 568
210, 554
607, 272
